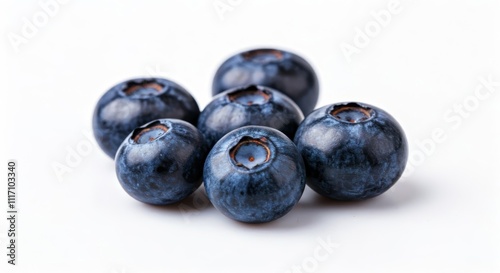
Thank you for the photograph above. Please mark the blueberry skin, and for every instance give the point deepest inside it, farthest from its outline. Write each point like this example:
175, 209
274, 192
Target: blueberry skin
163, 168
135, 102
260, 194
349, 159
275, 68
230, 110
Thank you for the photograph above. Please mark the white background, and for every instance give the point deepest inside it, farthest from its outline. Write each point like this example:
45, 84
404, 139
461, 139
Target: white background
425, 63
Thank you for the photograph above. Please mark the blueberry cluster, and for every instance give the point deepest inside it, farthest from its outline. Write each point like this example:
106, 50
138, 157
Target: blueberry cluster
250, 146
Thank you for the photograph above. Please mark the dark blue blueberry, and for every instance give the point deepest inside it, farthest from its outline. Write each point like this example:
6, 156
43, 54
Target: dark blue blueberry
254, 174
278, 69
352, 151
161, 162
249, 105
135, 102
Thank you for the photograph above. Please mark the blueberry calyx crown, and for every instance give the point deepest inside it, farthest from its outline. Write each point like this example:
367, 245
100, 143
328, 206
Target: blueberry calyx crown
250, 152
263, 55
250, 95
352, 112
149, 133
142, 88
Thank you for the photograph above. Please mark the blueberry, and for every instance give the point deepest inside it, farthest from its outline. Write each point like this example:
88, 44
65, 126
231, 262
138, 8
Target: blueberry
249, 105
135, 102
254, 174
161, 162
278, 69
352, 151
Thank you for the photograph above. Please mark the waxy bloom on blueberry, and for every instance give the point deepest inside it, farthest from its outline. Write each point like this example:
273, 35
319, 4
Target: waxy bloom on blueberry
161, 162
135, 102
254, 174
352, 151
249, 105
278, 69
